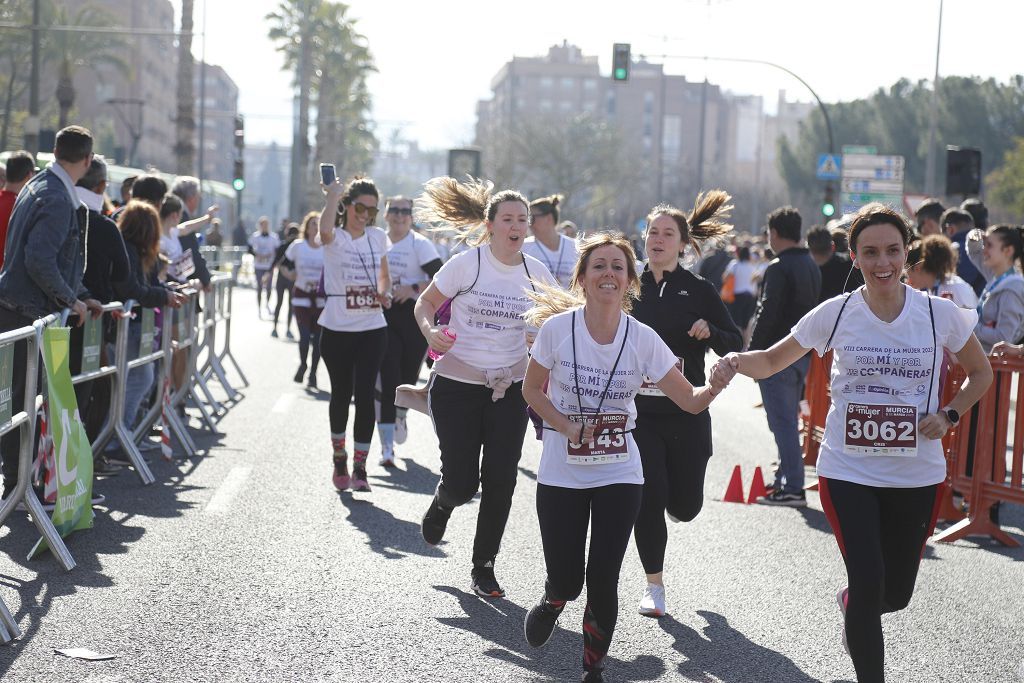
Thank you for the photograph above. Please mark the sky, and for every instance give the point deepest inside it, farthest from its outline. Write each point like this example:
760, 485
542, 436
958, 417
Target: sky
436, 59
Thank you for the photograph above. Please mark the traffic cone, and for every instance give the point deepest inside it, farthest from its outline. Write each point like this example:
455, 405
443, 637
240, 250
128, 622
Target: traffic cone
734, 492
757, 488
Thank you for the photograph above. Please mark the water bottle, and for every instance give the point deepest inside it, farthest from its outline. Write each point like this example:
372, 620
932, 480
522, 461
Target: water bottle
434, 355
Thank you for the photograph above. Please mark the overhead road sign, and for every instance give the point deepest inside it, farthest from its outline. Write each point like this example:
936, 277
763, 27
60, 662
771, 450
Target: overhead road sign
828, 167
860, 149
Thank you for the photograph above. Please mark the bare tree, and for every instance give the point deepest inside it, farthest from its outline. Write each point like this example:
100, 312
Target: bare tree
185, 122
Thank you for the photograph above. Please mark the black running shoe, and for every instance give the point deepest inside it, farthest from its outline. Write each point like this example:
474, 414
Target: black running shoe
593, 676
484, 583
435, 521
540, 623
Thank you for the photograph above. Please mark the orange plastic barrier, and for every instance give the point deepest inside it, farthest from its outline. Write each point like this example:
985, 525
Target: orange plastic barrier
818, 395
998, 470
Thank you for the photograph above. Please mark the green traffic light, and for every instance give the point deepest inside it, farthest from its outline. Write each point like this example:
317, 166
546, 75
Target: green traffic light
828, 209
620, 74
239, 185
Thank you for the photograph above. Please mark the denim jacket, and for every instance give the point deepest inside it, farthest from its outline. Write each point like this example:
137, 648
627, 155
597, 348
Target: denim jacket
46, 243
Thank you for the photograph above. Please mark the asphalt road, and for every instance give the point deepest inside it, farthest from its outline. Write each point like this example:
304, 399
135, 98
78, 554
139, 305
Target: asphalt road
246, 565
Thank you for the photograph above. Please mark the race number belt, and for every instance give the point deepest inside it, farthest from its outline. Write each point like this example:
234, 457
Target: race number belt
649, 388
361, 299
609, 445
880, 430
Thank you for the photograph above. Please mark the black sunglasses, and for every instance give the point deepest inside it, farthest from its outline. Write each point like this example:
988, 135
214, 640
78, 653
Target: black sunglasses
400, 212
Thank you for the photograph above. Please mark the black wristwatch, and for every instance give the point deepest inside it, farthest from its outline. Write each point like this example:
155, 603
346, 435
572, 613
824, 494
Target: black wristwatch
952, 415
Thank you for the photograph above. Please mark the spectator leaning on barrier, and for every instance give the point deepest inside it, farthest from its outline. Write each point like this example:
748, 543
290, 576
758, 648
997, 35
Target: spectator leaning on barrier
20, 168
837, 272
791, 285
42, 273
187, 189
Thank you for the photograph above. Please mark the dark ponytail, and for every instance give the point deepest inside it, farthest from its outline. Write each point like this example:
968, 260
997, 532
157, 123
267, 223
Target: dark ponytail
707, 221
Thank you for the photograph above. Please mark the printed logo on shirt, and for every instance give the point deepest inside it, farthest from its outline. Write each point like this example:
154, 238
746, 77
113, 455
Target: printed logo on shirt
875, 389
683, 292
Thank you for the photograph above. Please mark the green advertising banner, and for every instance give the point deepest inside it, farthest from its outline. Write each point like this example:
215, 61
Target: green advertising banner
71, 448
92, 337
148, 329
6, 380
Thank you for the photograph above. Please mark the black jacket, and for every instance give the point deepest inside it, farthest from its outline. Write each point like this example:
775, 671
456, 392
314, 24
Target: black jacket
838, 276
671, 307
107, 260
790, 288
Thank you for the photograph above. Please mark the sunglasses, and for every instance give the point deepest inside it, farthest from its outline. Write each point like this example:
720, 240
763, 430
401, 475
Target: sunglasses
400, 212
362, 210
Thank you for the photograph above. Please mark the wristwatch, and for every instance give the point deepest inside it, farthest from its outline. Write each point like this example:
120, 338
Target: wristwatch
952, 415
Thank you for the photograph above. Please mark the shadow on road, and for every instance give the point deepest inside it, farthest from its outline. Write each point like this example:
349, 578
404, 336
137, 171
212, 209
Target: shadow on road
501, 623
415, 478
722, 652
386, 535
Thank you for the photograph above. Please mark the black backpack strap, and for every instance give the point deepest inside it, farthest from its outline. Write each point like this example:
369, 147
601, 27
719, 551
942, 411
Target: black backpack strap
528, 276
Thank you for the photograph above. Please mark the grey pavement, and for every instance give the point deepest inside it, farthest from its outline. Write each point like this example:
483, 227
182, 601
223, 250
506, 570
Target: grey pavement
246, 565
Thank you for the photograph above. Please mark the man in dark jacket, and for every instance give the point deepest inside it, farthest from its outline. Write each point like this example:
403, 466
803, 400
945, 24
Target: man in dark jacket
45, 258
187, 189
837, 272
791, 285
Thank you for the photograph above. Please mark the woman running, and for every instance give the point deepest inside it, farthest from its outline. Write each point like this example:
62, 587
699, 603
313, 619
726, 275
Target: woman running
285, 281
476, 398
308, 256
353, 331
881, 460
556, 251
687, 313
593, 357
412, 261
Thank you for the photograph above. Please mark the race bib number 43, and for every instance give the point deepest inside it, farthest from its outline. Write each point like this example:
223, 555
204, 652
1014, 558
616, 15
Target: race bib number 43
881, 430
361, 299
609, 443
649, 388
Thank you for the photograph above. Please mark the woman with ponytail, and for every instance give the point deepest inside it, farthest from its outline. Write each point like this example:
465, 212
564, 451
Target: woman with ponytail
996, 253
475, 393
588, 363
556, 251
689, 316
353, 331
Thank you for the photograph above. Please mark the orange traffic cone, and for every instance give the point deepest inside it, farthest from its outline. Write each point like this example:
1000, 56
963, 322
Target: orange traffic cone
734, 493
757, 488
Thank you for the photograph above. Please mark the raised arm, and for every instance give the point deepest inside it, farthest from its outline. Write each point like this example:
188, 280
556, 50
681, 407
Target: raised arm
330, 210
762, 364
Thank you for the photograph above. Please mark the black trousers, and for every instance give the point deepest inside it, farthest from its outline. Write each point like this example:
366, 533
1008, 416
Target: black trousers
565, 514
403, 358
481, 442
674, 449
353, 361
881, 533
284, 288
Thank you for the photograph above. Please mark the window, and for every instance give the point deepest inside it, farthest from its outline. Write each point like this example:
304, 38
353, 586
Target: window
568, 83
590, 84
545, 105
547, 82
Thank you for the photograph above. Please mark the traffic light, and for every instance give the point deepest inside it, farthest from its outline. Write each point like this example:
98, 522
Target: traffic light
828, 205
239, 132
239, 182
620, 62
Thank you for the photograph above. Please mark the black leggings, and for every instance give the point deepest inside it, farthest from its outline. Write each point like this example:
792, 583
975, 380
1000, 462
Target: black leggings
284, 286
466, 420
353, 361
403, 358
564, 516
881, 533
674, 449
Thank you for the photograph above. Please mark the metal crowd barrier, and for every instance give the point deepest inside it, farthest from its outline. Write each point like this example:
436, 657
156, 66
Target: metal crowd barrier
218, 312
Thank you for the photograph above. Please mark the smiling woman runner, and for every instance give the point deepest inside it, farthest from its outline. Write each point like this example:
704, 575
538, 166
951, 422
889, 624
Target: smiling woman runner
590, 476
881, 459
475, 396
353, 332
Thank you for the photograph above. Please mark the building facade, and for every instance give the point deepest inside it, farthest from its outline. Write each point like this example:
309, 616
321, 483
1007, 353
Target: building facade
215, 122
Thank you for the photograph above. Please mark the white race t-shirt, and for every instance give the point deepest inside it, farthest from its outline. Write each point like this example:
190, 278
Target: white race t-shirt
309, 264
614, 458
881, 375
487, 319
744, 272
351, 267
561, 262
958, 291
406, 257
170, 246
264, 247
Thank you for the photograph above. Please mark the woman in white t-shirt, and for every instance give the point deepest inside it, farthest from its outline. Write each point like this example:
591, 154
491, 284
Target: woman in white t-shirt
475, 395
412, 261
171, 228
589, 360
308, 256
353, 332
743, 272
881, 460
931, 267
556, 251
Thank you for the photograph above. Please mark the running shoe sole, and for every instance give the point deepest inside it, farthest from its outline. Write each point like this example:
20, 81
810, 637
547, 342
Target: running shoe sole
484, 594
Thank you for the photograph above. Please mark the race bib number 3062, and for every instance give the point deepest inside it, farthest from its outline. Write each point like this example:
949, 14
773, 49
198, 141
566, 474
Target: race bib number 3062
881, 430
609, 443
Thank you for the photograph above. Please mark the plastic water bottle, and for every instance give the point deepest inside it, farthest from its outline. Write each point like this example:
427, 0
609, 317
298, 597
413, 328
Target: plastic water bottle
434, 355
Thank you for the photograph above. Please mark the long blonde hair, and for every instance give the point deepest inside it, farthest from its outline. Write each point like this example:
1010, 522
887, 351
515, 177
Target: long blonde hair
463, 207
549, 300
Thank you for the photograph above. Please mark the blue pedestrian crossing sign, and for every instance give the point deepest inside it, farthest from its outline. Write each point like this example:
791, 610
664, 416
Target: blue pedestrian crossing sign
829, 167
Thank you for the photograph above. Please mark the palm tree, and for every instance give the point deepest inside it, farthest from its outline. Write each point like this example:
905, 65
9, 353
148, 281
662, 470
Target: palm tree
77, 49
185, 122
15, 59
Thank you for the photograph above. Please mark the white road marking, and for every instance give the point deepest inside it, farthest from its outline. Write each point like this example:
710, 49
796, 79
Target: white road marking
283, 403
229, 488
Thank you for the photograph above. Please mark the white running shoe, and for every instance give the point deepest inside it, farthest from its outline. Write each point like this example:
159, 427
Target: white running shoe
401, 429
652, 604
387, 458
